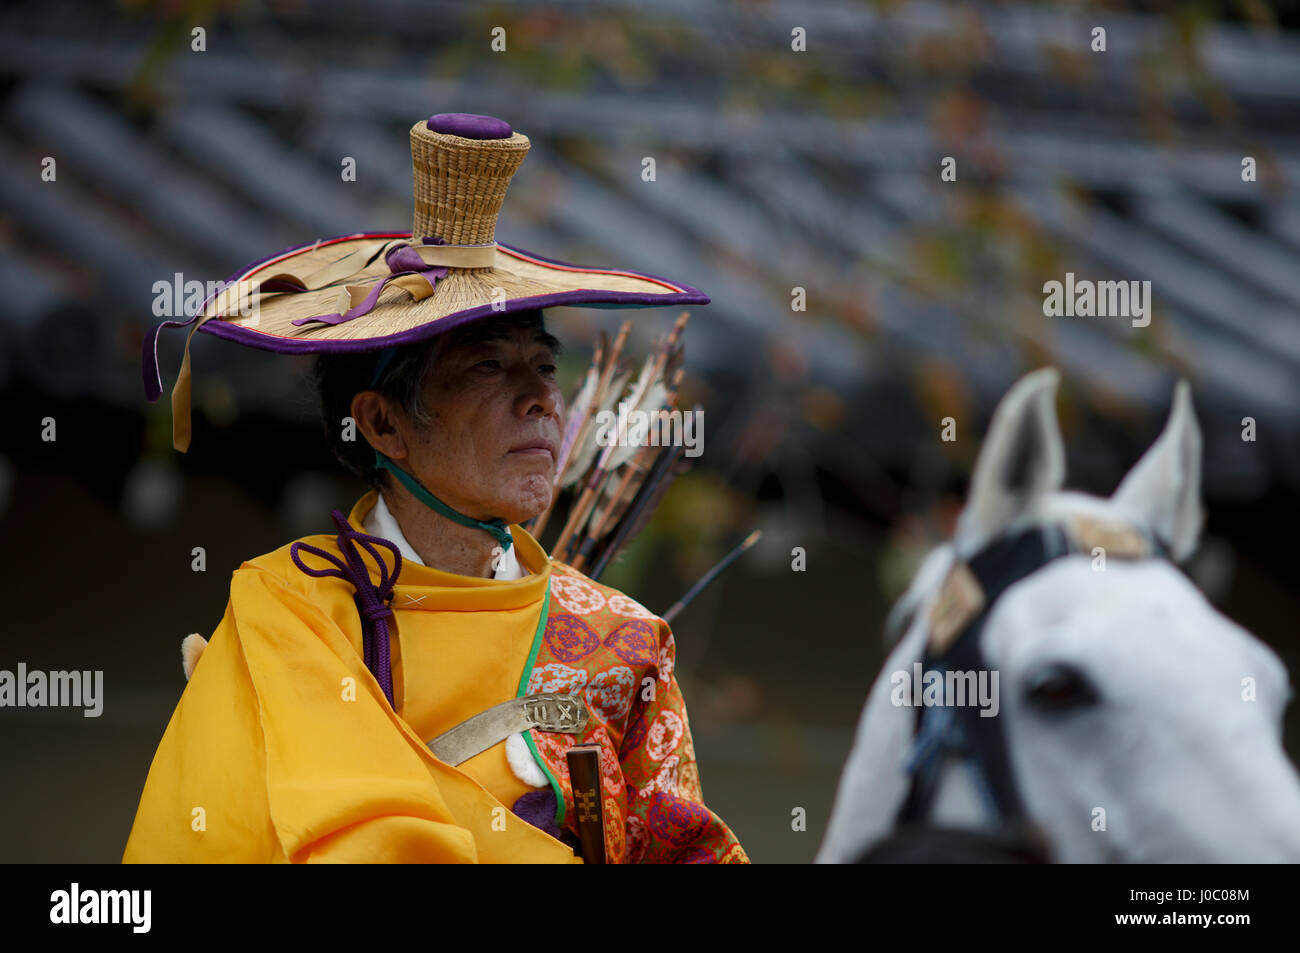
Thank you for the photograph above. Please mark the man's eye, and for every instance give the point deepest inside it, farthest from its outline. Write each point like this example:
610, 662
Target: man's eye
548, 369
491, 364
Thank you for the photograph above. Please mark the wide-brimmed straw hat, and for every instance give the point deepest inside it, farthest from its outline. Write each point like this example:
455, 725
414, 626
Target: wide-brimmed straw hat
375, 290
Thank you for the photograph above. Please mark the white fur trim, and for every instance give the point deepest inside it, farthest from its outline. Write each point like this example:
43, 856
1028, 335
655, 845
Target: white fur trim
522, 763
192, 647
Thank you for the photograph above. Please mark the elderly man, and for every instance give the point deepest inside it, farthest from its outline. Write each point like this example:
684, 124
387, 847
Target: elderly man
332, 717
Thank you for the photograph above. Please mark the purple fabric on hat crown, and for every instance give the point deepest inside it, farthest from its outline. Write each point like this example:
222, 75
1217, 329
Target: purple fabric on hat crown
470, 126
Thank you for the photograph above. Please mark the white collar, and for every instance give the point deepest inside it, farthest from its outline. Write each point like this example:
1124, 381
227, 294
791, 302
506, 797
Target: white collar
381, 522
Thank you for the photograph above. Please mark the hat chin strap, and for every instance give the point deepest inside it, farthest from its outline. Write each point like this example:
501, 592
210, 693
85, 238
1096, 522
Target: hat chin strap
496, 528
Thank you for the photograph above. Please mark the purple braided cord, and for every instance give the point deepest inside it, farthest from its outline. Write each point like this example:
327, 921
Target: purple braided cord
372, 601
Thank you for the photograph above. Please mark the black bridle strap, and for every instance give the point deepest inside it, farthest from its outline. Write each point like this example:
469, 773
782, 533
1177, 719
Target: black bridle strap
961, 730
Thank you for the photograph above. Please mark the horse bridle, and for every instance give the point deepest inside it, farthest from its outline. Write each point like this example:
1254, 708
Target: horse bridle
957, 621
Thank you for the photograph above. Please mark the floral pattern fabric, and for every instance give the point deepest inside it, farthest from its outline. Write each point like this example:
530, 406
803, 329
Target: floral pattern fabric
619, 656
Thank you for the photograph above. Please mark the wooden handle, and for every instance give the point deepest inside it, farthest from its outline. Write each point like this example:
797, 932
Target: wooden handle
584, 775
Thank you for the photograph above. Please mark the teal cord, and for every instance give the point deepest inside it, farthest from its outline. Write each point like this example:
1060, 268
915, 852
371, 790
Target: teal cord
497, 528
381, 365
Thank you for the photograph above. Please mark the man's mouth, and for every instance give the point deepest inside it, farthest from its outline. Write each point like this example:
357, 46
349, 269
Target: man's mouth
535, 448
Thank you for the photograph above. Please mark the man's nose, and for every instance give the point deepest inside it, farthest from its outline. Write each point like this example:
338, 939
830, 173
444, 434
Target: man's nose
537, 395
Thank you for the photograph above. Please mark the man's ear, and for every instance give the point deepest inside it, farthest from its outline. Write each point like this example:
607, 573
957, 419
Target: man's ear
1022, 458
377, 417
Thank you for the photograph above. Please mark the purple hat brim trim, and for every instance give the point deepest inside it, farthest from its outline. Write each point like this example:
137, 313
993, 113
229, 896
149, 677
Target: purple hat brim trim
287, 345
149, 348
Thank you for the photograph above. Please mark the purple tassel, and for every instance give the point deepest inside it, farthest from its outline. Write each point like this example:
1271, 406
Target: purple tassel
372, 601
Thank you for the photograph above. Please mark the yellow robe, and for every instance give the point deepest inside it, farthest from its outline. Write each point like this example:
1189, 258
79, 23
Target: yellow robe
283, 748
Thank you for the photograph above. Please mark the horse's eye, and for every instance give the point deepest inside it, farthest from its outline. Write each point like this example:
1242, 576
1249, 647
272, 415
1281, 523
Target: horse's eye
1060, 687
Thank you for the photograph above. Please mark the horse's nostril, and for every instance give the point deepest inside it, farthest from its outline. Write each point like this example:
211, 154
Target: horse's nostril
1060, 687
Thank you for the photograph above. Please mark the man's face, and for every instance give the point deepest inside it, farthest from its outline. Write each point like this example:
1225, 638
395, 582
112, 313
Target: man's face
496, 412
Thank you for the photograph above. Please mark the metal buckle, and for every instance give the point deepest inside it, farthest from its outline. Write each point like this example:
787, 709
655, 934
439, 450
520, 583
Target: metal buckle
960, 600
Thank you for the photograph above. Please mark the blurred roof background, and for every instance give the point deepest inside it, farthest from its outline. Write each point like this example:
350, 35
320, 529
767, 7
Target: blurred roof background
776, 170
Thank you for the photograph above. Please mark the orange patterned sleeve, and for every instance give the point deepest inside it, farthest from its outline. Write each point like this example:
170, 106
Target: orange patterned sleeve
667, 819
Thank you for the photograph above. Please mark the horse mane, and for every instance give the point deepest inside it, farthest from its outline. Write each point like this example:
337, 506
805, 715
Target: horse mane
924, 586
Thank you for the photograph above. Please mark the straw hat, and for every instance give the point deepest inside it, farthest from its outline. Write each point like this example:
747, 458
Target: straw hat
374, 290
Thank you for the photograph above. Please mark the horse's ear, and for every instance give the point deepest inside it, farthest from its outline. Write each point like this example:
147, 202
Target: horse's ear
1163, 490
1022, 458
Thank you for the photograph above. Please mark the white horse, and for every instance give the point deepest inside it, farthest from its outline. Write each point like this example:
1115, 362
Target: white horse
1141, 725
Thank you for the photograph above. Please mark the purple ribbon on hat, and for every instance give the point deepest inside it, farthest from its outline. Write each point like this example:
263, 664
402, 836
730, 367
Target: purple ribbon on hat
402, 260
